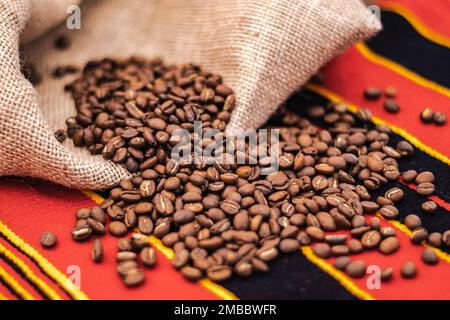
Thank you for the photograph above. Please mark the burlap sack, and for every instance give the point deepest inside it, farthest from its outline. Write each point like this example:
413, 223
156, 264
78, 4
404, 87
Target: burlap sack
264, 49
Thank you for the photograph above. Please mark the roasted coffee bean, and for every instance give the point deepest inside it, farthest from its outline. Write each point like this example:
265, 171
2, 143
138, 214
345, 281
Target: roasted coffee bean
97, 251
386, 274
418, 235
356, 269
341, 262
148, 257
355, 246
391, 106
371, 239
425, 188
424, 176
98, 214
83, 213
81, 233
405, 148
387, 232
340, 250
96, 226
124, 244
395, 194
191, 273
322, 250
439, 118
389, 245
412, 221
47, 239
372, 93
435, 239
219, 273
334, 239
408, 270
409, 176
369, 206
133, 278
429, 206
315, 233
427, 115
390, 92
118, 229
125, 256
389, 212
145, 225
289, 245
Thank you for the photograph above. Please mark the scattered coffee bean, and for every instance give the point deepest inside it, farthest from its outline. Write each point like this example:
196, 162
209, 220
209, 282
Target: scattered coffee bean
48, 239
341, 262
429, 206
409, 176
356, 269
418, 235
395, 194
372, 93
435, 239
391, 106
427, 115
134, 277
386, 274
148, 257
389, 245
425, 188
408, 270
371, 239
97, 251
322, 250
389, 212
429, 256
412, 221
439, 118
424, 176
390, 92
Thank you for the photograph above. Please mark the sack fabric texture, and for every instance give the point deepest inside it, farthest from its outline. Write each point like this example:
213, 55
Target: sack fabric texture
264, 49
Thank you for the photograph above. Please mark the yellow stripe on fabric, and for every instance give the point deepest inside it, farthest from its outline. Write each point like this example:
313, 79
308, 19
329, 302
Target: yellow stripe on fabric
14, 285
398, 68
212, 287
46, 266
418, 24
29, 274
401, 132
340, 277
441, 254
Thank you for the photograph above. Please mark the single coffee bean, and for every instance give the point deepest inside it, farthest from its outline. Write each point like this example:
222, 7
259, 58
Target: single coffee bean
118, 229
96, 226
389, 212
389, 245
390, 92
289, 245
429, 256
408, 270
82, 233
124, 244
98, 214
191, 273
424, 176
412, 221
372, 93
355, 246
322, 250
418, 235
409, 176
425, 188
391, 106
125, 256
386, 274
394, 194
427, 115
334, 239
371, 239
341, 262
148, 257
97, 251
439, 118
356, 269
340, 250
145, 225
219, 273
387, 232
405, 148
446, 238
48, 239
83, 213
134, 277
429, 206
435, 239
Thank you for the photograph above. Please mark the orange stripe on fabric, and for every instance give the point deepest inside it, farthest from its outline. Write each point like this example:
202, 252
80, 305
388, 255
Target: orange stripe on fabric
418, 24
3, 297
29, 274
394, 66
214, 288
441, 254
15, 286
338, 275
401, 132
46, 266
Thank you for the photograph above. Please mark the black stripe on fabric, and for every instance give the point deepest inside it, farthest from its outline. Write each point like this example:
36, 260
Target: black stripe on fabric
291, 276
7, 286
400, 42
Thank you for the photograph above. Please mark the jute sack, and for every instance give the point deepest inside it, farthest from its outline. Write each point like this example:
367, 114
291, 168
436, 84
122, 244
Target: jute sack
264, 49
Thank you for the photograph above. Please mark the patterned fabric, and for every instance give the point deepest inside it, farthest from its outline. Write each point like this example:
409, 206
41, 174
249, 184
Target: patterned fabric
411, 53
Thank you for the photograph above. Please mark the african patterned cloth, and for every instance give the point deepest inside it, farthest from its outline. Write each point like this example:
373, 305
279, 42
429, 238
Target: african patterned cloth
412, 53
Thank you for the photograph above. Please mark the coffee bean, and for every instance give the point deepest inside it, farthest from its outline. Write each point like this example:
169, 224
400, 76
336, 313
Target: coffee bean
408, 270
81, 233
389, 245
405, 148
322, 250
334, 239
446, 238
192, 274
315, 233
435, 239
439, 118
387, 232
386, 274
98, 214
124, 244
390, 92
96, 226
48, 239
97, 251
372, 93
118, 229
425, 188
389, 212
289, 245
219, 273
429, 206
356, 269
391, 106
125, 256
341, 262
148, 257
340, 250
409, 176
429, 256
412, 221
427, 115
394, 194
418, 235
371, 239
424, 176
83, 213
355, 246
133, 278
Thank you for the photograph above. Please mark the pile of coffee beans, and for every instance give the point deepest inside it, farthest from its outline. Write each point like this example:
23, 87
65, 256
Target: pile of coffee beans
224, 219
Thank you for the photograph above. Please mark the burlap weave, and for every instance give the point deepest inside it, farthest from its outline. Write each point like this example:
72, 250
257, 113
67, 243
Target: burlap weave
264, 49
